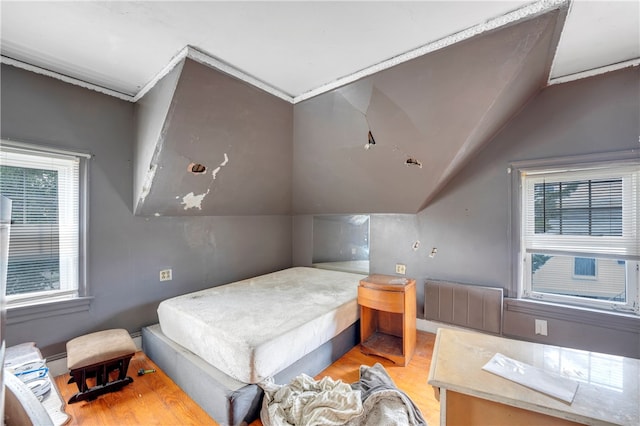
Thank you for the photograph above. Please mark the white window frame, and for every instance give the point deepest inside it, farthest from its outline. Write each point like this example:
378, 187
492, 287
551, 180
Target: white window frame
609, 247
73, 283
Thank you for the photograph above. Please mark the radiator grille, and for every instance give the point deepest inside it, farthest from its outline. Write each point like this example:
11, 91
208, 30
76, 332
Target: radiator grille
464, 305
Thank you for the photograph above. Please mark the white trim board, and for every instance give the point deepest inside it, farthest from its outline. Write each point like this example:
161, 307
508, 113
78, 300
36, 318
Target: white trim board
522, 13
594, 72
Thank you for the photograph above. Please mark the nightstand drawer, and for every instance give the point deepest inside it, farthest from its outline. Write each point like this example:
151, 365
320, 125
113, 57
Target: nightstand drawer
388, 301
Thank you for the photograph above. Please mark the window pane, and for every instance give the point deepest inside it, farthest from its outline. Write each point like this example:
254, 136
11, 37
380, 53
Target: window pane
28, 275
34, 193
588, 207
584, 266
579, 276
44, 258
34, 242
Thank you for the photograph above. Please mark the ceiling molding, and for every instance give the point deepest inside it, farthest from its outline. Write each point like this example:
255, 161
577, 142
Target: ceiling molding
193, 53
594, 72
205, 59
489, 25
76, 82
166, 70
212, 62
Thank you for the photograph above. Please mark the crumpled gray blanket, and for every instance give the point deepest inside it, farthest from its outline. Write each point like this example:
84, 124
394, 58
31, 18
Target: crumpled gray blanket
373, 400
383, 403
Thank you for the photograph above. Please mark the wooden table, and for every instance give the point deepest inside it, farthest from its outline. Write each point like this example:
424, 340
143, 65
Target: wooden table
388, 317
607, 392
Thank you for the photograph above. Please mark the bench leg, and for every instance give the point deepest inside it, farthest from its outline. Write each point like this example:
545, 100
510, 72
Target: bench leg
96, 391
101, 373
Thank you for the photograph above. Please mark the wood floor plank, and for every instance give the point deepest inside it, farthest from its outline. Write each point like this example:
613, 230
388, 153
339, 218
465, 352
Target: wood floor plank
412, 379
153, 399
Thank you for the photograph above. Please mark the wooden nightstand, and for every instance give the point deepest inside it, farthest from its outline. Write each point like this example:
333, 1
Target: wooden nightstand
388, 317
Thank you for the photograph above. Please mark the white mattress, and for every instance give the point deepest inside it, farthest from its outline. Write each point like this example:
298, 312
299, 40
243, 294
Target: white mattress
254, 328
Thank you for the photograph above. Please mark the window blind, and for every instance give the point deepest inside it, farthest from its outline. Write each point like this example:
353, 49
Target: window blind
583, 212
44, 237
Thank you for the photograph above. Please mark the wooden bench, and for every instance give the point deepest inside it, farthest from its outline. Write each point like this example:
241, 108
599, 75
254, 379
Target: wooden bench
98, 355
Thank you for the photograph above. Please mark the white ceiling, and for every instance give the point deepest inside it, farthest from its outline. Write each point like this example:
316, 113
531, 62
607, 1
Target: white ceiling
297, 48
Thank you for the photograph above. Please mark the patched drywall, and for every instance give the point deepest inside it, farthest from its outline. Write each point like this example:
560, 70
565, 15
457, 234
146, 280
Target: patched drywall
428, 117
239, 136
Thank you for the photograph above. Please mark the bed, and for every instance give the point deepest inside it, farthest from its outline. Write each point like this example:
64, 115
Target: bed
218, 344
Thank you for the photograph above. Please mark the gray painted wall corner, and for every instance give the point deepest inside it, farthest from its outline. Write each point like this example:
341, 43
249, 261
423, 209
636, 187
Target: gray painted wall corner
126, 252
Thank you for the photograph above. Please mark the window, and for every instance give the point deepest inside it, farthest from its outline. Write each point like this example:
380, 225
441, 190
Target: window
584, 267
580, 234
45, 259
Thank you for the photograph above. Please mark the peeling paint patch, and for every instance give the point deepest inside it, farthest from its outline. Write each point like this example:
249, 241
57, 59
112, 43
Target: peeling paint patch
215, 172
148, 181
192, 201
217, 169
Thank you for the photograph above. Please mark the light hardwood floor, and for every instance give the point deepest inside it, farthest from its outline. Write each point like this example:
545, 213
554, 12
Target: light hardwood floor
153, 399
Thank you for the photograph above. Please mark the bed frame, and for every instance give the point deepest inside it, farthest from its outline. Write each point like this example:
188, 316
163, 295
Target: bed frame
227, 400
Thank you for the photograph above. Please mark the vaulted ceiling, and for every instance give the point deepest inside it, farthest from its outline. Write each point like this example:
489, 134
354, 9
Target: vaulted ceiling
271, 107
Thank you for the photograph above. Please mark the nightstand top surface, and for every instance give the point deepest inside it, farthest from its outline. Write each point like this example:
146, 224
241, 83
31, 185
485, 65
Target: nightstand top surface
387, 282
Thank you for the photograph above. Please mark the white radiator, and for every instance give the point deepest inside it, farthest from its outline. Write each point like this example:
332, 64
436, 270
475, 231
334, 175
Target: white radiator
464, 305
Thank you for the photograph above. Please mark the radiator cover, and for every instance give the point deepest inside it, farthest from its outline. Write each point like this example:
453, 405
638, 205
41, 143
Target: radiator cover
464, 305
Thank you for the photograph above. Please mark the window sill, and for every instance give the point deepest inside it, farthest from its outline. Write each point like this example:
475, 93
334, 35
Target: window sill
19, 314
595, 317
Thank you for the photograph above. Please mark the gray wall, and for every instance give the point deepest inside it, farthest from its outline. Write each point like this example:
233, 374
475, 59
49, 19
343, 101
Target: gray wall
150, 115
469, 221
241, 134
126, 252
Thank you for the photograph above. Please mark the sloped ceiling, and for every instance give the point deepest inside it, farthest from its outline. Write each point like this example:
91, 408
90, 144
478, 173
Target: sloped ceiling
436, 111
263, 155
240, 135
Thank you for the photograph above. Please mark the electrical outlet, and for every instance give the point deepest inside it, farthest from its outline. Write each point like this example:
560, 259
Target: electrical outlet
401, 269
541, 327
165, 275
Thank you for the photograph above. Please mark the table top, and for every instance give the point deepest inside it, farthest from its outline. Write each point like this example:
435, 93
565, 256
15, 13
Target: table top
608, 385
387, 282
